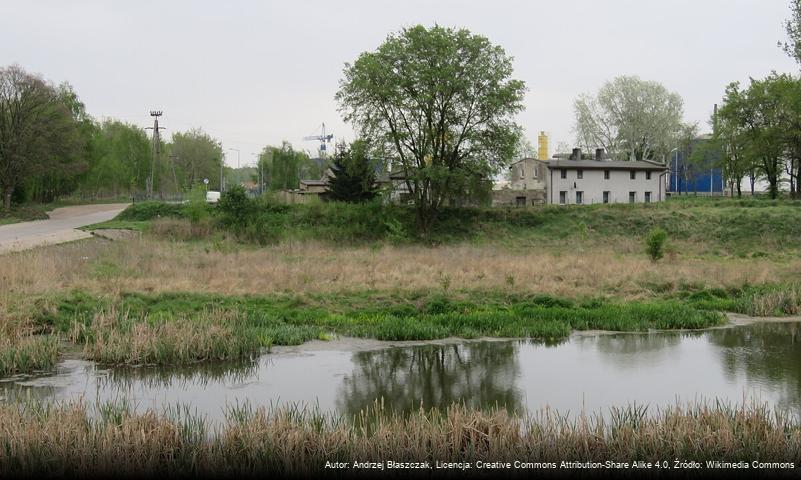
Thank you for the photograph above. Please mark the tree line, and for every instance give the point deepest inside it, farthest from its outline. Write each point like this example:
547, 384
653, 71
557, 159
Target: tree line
758, 127
50, 148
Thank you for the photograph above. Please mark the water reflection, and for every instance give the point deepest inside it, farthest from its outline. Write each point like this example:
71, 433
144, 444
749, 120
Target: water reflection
767, 354
589, 373
236, 374
481, 374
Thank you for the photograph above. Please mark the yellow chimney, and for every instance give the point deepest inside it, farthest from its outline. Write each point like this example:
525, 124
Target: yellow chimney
542, 151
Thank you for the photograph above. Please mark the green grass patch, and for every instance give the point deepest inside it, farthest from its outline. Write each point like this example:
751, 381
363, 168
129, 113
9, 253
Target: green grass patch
180, 328
719, 226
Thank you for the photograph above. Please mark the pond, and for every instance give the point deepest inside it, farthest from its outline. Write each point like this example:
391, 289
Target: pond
585, 373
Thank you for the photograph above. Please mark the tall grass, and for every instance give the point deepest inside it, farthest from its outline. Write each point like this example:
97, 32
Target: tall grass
114, 337
69, 439
176, 328
28, 354
25, 346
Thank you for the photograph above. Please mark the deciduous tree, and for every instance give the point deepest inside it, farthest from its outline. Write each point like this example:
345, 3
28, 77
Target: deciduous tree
39, 133
441, 102
631, 118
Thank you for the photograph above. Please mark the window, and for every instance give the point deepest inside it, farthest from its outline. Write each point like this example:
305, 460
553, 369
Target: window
564, 173
648, 175
522, 171
606, 197
562, 197
579, 173
606, 174
579, 197
633, 174
647, 197
520, 201
632, 197
536, 171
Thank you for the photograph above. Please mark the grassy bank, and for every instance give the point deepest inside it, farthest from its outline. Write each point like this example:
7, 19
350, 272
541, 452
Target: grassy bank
332, 269
24, 213
181, 328
741, 228
68, 440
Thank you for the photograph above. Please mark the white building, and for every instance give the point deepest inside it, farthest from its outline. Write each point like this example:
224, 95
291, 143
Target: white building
570, 181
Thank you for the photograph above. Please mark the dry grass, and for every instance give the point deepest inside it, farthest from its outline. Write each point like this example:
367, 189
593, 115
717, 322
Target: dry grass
23, 348
117, 338
150, 265
66, 439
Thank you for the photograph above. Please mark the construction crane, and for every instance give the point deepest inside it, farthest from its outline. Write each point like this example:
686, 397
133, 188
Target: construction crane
322, 138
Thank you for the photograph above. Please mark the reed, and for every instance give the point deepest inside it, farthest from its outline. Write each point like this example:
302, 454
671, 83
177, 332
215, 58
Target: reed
178, 328
72, 439
114, 337
24, 345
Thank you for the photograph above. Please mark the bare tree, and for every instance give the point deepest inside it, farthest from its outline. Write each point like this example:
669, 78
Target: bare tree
631, 118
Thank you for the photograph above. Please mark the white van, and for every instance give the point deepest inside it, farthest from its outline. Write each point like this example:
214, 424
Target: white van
212, 196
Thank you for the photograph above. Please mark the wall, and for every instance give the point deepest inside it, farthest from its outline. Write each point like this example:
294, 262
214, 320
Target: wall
532, 175
593, 185
509, 198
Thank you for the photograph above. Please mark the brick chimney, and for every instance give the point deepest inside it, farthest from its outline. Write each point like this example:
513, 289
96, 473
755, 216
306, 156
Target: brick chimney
599, 154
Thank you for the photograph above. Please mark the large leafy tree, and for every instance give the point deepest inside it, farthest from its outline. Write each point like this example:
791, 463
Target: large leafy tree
194, 156
40, 134
732, 140
353, 176
631, 118
761, 129
282, 167
440, 102
120, 155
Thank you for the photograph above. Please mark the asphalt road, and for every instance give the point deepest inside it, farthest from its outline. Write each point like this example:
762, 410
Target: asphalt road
59, 228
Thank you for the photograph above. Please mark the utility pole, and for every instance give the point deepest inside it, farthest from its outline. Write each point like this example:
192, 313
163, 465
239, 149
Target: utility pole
222, 172
156, 147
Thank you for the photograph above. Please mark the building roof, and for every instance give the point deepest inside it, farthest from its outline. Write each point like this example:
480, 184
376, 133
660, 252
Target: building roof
521, 160
315, 183
605, 164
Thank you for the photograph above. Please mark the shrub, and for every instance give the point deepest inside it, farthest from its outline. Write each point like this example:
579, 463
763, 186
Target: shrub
151, 210
655, 243
235, 207
197, 209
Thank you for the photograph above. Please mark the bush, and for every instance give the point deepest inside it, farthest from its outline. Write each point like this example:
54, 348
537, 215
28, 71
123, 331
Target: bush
151, 210
197, 209
655, 243
235, 208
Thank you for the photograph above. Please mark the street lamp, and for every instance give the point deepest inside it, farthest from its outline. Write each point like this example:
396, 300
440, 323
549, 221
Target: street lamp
675, 169
261, 179
237, 155
237, 159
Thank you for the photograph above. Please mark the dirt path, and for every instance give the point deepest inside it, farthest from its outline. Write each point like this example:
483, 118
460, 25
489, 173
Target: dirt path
59, 228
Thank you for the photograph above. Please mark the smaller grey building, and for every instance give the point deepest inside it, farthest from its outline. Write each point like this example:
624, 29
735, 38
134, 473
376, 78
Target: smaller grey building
578, 180
526, 185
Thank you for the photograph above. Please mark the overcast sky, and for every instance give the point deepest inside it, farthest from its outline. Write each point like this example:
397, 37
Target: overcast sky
256, 73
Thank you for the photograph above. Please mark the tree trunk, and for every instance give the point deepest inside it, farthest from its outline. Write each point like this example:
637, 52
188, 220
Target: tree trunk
7, 198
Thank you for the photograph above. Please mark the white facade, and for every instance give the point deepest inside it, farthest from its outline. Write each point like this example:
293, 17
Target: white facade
571, 182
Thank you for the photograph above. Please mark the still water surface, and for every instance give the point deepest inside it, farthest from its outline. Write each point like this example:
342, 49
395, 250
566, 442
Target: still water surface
590, 373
